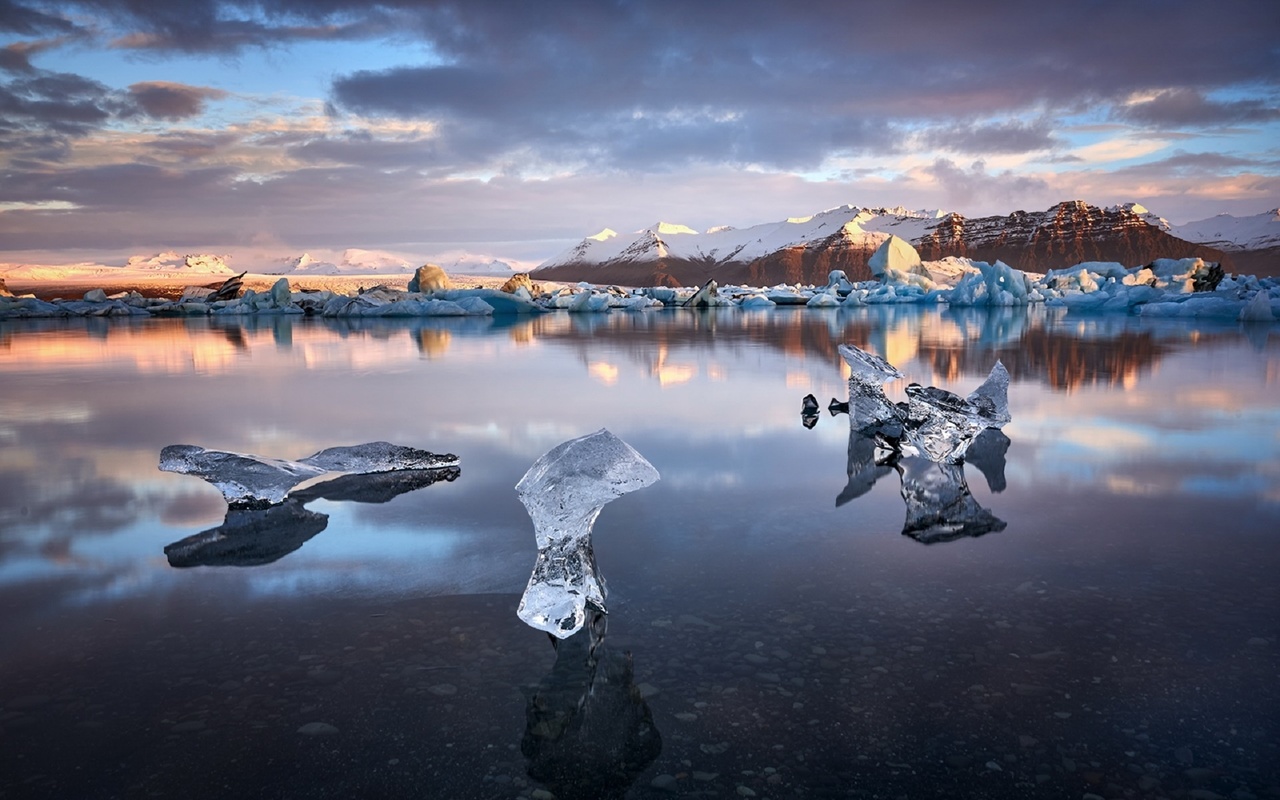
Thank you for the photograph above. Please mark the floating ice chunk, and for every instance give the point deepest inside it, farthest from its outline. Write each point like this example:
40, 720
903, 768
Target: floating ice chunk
940, 424
244, 480
837, 279
563, 492
828, 298
868, 406
378, 457
756, 300
992, 397
374, 487
940, 507
1258, 309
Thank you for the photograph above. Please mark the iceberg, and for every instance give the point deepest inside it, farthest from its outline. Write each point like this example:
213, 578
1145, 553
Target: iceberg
245, 480
564, 492
941, 424
374, 487
991, 398
378, 457
868, 405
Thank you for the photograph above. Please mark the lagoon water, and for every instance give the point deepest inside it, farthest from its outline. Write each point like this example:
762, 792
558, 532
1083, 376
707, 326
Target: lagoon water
769, 633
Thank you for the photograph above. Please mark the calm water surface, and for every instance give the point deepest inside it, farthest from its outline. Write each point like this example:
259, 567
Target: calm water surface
772, 632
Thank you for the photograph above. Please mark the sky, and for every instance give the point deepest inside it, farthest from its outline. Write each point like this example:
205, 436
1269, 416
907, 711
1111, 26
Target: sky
434, 128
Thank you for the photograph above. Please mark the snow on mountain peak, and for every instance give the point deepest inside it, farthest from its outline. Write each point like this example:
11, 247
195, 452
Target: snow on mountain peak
1228, 232
171, 260
604, 235
670, 229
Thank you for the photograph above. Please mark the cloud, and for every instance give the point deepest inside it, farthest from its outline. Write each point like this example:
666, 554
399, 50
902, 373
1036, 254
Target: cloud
518, 122
172, 101
24, 20
1187, 108
963, 187
1010, 136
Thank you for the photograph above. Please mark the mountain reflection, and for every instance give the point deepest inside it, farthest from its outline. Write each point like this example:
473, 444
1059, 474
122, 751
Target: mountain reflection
588, 731
1034, 343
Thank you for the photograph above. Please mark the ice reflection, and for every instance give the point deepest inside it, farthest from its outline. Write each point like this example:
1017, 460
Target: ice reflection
588, 731
940, 507
249, 537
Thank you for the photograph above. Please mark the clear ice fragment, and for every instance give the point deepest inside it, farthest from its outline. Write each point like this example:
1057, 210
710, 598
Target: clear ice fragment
941, 425
245, 480
940, 507
374, 487
564, 491
378, 457
868, 406
992, 397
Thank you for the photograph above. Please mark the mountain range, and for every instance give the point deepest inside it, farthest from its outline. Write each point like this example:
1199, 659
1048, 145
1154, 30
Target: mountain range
805, 249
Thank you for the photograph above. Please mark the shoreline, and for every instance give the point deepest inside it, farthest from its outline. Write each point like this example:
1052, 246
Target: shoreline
171, 285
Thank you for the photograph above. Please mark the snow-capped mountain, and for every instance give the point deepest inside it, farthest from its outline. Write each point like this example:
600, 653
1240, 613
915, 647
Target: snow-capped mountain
1225, 232
786, 251
471, 264
805, 249
353, 261
172, 261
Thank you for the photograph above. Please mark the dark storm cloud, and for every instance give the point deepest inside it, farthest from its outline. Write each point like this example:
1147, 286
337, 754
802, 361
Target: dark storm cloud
172, 101
1190, 108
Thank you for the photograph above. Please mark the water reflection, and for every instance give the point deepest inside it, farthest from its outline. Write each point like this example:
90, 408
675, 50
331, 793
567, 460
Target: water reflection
1034, 343
249, 537
588, 731
940, 507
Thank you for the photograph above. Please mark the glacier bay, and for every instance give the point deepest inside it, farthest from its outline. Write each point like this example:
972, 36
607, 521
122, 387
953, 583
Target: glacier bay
770, 628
